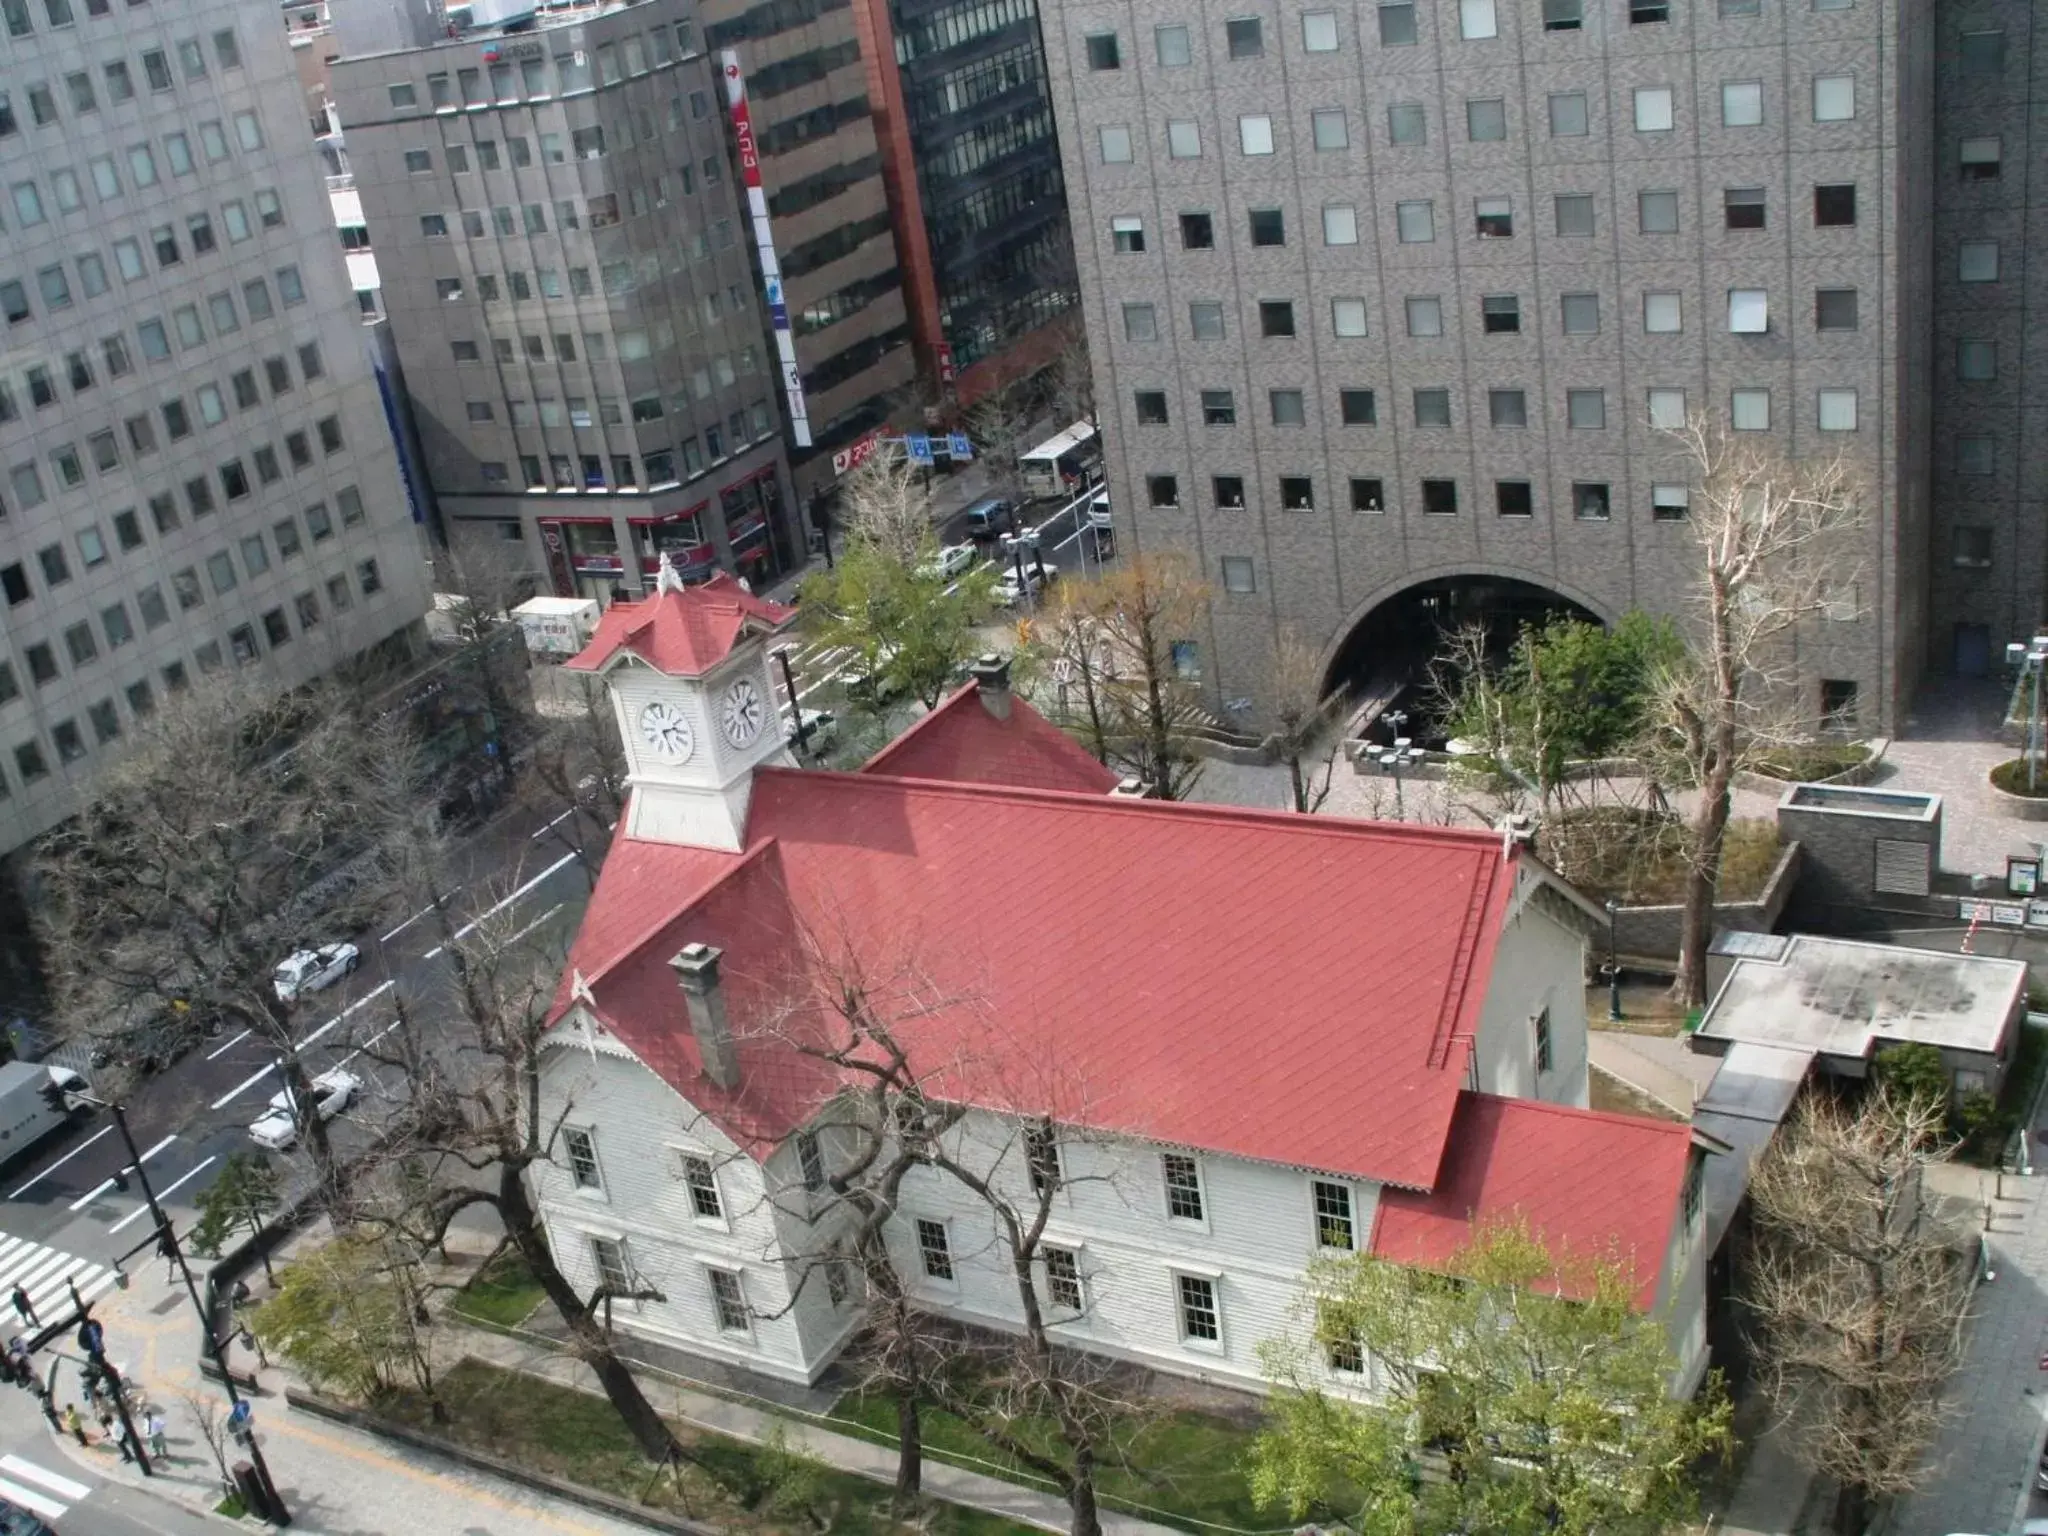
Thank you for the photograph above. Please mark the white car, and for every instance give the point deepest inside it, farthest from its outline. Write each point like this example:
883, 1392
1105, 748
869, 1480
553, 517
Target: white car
278, 1128
1010, 591
951, 560
821, 726
310, 970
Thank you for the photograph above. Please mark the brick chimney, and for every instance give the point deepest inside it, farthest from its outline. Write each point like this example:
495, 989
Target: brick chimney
991, 676
696, 968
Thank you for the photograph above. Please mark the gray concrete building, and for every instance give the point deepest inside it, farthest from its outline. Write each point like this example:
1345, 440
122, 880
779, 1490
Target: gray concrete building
564, 261
198, 471
1387, 301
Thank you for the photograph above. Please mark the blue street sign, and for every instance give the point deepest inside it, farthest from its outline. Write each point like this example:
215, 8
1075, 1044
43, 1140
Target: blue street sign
957, 446
240, 1414
90, 1336
918, 448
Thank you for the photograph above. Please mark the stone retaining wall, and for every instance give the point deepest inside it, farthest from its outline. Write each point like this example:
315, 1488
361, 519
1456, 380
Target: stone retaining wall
1654, 932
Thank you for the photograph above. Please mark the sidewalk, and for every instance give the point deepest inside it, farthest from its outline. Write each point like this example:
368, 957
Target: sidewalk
345, 1482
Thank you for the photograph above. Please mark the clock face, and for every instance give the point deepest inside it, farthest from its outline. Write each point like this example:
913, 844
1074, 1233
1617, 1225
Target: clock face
667, 731
741, 713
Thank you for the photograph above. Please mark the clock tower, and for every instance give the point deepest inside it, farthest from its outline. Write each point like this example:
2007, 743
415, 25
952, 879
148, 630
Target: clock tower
688, 672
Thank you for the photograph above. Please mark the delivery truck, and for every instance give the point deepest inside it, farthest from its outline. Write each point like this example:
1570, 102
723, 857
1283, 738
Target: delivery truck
29, 1109
556, 628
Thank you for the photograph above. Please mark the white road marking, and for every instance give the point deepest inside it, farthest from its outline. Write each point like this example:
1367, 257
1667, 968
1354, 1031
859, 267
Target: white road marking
470, 927
91, 1195
534, 837
64, 1487
222, 1050
352, 1055
47, 1275
423, 911
522, 933
257, 1076
164, 1194
35, 1503
105, 1130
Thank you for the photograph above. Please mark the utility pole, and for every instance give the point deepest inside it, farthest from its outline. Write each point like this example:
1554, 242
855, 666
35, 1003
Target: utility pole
166, 1239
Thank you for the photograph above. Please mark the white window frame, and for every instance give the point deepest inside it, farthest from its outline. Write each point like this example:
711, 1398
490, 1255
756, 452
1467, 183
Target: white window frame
1749, 410
1187, 1223
1213, 1278
1321, 117
617, 1240
1662, 417
1477, 20
593, 1191
1655, 109
1840, 91
738, 1277
1652, 304
810, 1154
1660, 494
1741, 110
1749, 311
1076, 1251
1312, 44
1255, 134
1346, 217
1408, 313
1403, 212
1315, 1183
1835, 398
685, 1156
924, 1275
1336, 325
1103, 140
1183, 138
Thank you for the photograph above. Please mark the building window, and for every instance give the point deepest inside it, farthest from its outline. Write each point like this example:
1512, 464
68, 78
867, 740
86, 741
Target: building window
1981, 54
1127, 235
1042, 1158
1834, 204
1238, 575
1586, 409
702, 1183
1970, 547
1590, 501
1440, 498
1980, 159
1749, 410
1494, 217
1287, 407
1563, 15
1742, 103
1183, 1177
1653, 109
1150, 405
1976, 358
1834, 98
1581, 313
1507, 407
810, 1162
1837, 410
934, 1251
1205, 319
1328, 129
1834, 309
1063, 1278
1172, 47
1340, 224
1425, 316
1219, 408
1541, 1023
1415, 222
1255, 134
1276, 318
1669, 503
1347, 317
1297, 493
1432, 407
728, 1301
1476, 20
1268, 226
1397, 23
1102, 51
1975, 456
1568, 115
1657, 212
1500, 314
1228, 491
1749, 312
1407, 123
1977, 261
1357, 408
614, 1271
1667, 409
1197, 232
1662, 312
1486, 120
1838, 703
1334, 1228
1141, 322
1200, 1321
1514, 498
1319, 32
1243, 37
1115, 141
1743, 207
1162, 490
1367, 494
1183, 140
1574, 213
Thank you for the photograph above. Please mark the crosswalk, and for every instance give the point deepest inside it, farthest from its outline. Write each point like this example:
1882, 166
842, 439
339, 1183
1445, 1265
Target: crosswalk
42, 1272
37, 1489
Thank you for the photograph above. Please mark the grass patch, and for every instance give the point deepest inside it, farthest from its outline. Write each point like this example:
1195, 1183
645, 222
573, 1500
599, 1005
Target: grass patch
1608, 1092
1185, 1464
1810, 760
231, 1506
576, 1436
2011, 777
1640, 858
503, 1293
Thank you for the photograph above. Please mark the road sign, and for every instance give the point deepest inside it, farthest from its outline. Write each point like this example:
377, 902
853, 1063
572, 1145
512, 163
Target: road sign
917, 447
240, 1414
958, 447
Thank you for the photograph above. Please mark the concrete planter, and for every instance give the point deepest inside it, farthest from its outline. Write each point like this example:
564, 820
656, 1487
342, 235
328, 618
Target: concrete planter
1860, 773
2019, 807
1653, 933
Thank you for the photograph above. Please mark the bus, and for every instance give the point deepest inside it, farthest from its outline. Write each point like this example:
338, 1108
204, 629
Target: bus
1064, 462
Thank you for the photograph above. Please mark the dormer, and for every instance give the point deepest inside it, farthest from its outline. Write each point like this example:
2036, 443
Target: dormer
690, 686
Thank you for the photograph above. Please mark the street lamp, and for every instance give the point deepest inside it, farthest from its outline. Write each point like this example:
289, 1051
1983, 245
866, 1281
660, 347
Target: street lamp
1403, 753
2031, 656
1613, 966
166, 1239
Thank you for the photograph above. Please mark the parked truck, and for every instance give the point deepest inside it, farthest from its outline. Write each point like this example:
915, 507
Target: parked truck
32, 1104
556, 628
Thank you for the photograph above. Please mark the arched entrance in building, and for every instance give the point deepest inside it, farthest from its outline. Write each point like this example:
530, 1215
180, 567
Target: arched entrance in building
1385, 652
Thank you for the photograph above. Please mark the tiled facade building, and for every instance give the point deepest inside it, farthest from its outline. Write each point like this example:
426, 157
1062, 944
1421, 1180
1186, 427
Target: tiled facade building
1389, 295
198, 471
564, 263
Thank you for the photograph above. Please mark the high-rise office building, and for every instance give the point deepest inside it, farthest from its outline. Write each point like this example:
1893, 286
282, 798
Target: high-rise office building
198, 468
1388, 303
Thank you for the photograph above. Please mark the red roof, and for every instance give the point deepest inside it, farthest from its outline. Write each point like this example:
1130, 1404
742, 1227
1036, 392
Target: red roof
1300, 989
962, 742
1590, 1184
682, 631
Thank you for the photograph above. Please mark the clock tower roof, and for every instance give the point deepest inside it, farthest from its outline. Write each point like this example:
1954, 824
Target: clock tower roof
681, 631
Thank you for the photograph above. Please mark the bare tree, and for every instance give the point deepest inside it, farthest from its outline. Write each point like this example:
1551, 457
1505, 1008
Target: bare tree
211, 1421
1305, 720
1772, 541
1858, 1296
885, 503
1145, 706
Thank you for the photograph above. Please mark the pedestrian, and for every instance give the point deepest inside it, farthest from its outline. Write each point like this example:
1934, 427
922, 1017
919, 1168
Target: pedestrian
25, 1307
158, 1430
119, 1429
74, 1425
106, 1417
49, 1407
